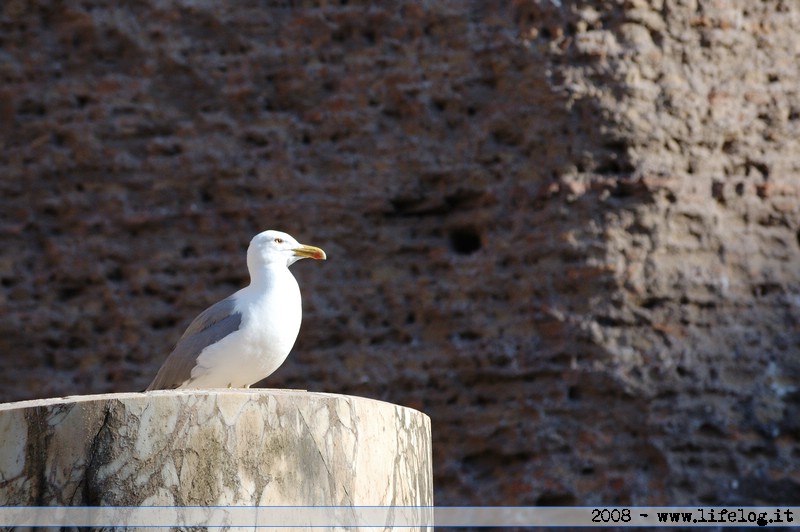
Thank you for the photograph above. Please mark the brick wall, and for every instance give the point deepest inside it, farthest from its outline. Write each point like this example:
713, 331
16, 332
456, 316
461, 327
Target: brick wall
567, 231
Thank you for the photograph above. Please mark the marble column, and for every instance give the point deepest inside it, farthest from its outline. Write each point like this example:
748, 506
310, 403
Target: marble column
213, 448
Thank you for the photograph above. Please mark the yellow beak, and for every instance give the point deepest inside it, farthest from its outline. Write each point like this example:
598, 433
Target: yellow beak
309, 252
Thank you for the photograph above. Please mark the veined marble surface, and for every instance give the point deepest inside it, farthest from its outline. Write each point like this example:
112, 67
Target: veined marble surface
214, 447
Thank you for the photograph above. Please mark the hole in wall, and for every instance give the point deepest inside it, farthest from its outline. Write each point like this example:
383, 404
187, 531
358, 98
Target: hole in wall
465, 240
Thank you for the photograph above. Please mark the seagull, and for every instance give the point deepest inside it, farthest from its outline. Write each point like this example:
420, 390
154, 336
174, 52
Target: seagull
245, 337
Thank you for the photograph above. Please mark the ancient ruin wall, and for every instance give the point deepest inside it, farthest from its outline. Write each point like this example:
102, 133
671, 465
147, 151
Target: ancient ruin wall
566, 230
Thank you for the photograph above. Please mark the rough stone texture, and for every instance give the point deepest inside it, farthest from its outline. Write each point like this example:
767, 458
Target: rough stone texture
228, 447
568, 231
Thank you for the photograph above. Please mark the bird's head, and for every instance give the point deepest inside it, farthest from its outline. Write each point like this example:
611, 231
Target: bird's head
275, 247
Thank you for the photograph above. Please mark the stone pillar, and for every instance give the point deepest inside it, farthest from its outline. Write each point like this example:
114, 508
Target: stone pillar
214, 448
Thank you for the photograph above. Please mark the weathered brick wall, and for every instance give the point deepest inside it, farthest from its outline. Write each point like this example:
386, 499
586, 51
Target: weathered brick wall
568, 231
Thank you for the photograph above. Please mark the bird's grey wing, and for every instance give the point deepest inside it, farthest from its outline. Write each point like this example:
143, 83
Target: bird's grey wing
213, 324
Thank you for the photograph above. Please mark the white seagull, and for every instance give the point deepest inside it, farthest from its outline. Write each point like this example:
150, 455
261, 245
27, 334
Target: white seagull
245, 337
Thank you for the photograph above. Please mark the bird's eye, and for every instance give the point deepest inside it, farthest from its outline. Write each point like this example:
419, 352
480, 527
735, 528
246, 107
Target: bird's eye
278, 241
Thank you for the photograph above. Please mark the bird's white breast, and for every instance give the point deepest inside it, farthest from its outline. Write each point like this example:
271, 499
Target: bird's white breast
271, 316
